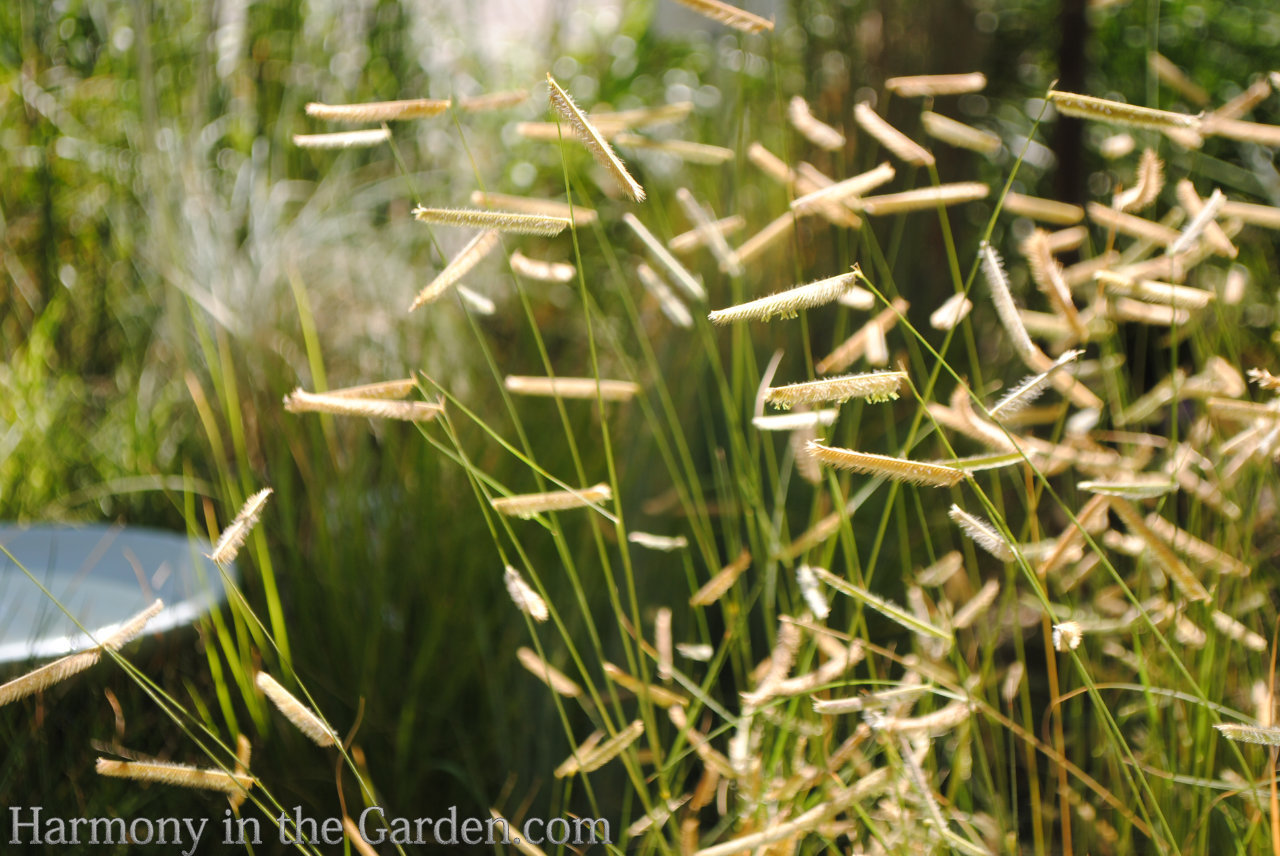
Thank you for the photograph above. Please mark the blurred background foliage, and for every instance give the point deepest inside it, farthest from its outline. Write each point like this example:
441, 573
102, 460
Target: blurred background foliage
172, 267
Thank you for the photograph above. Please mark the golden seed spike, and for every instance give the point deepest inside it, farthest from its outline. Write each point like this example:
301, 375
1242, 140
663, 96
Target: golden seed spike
593, 140
379, 111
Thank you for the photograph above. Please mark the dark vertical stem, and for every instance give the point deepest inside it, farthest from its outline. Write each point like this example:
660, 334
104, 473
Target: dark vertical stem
1068, 135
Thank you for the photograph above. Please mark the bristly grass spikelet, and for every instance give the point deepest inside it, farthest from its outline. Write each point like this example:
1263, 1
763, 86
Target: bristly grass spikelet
678, 271
804, 180
855, 346
177, 775
128, 630
670, 305
111, 638
787, 304
662, 642
609, 749
772, 234
1044, 210
685, 150
875, 387
659, 815
921, 199
942, 570
301, 401
976, 606
523, 596
572, 387
343, 139
884, 607
1253, 95
1147, 486
1248, 132
724, 579
1199, 223
857, 298
1269, 736
1233, 629
233, 536
48, 675
877, 350
1192, 547
1182, 577
579, 214
643, 117
1071, 238
379, 111
1007, 310
662, 543
1030, 388
711, 237
1174, 77
556, 680
1194, 205
959, 134
1131, 224
902, 146
982, 533
244, 750
1241, 411
398, 388
295, 711
859, 343
1264, 379
812, 592
1067, 636
503, 221
785, 647
839, 191
592, 139
1088, 107
929, 85
814, 130
687, 242
543, 271
730, 16
1051, 281
1148, 181
941, 721
528, 504
1117, 146
573, 763
699, 652
477, 301
660, 696
470, 255
1266, 216
797, 421
898, 469
954, 310
806, 466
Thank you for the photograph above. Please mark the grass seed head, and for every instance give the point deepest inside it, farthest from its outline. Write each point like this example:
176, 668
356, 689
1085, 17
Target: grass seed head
233, 537
523, 595
593, 140
379, 111
302, 717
